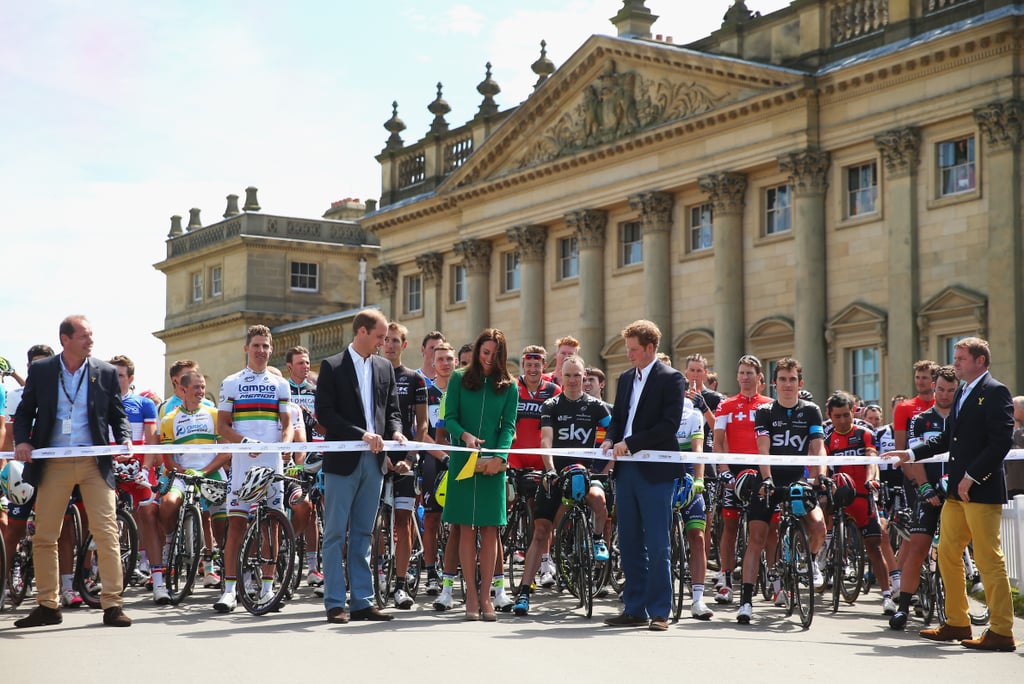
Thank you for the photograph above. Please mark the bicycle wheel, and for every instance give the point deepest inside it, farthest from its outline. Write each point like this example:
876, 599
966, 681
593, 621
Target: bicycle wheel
3, 575
87, 581
584, 561
564, 555
925, 592
939, 596
801, 581
615, 575
415, 569
765, 584
518, 535
853, 559
677, 561
300, 562
267, 553
184, 554
382, 563
22, 572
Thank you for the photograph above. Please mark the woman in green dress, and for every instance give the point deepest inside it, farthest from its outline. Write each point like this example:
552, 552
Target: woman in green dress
480, 412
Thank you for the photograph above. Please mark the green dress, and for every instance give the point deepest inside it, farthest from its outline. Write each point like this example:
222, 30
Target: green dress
490, 416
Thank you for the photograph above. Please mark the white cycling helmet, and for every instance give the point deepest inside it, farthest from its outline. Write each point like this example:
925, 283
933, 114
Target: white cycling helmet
314, 463
255, 484
214, 491
12, 479
126, 471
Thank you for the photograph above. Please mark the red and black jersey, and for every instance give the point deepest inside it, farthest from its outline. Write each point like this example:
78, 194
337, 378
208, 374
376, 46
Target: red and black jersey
856, 442
528, 423
906, 410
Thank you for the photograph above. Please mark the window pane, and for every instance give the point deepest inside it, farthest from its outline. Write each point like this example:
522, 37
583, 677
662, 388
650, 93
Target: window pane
511, 281
865, 371
701, 233
956, 166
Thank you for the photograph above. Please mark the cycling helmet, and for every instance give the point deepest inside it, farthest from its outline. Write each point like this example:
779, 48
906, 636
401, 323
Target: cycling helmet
574, 482
684, 493
845, 491
12, 480
255, 484
802, 498
805, 395
214, 491
127, 470
529, 482
313, 463
746, 484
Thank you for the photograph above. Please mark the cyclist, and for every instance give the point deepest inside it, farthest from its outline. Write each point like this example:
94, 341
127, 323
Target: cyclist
570, 419
788, 426
564, 348
847, 439
734, 433
691, 438
303, 393
437, 463
430, 342
174, 400
412, 402
253, 408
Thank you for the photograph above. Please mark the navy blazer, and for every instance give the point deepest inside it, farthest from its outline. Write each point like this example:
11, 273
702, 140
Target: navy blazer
36, 416
977, 438
656, 421
339, 408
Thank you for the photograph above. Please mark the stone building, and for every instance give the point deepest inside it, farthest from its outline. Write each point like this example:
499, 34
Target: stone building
839, 180
299, 276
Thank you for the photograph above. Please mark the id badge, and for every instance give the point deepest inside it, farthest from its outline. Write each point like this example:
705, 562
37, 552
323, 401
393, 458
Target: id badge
65, 426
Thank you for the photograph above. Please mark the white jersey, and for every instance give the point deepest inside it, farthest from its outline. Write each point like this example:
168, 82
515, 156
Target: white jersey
255, 402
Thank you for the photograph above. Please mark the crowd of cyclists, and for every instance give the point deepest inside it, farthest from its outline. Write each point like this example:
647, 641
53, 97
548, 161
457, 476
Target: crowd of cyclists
729, 511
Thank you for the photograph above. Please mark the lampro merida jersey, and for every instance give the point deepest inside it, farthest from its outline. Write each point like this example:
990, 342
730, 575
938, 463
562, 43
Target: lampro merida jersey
255, 402
790, 431
196, 427
574, 424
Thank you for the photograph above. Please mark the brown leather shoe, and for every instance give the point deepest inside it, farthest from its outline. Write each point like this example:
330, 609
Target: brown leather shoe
371, 613
946, 632
337, 616
40, 617
115, 617
658, 624
990, 641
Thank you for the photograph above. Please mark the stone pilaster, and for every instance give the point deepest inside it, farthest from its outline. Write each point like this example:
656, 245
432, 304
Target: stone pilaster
590, 227
430, 265
726, 192
656, 228
530, 242
901, 153
1001, 126
476, 255
386, 277
808, 172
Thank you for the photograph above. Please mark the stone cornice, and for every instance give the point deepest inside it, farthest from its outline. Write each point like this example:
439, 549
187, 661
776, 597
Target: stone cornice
234, 317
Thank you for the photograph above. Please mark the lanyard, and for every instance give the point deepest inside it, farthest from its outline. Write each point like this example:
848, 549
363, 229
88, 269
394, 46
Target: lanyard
64, 387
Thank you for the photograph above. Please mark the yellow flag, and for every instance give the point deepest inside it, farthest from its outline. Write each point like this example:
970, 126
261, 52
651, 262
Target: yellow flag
469, 469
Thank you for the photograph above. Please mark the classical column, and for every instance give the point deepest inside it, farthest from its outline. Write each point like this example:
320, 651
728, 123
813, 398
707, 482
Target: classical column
589, 227
1001, 127
530, 244
476, 255
430, 265
807, 170
386, 276
900, 150
656, 228
726, 193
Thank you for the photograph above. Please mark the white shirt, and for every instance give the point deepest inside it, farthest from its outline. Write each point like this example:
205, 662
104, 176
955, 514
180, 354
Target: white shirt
364, 377
639, 382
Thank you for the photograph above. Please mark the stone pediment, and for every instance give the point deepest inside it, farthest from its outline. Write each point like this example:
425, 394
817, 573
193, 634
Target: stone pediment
614, 90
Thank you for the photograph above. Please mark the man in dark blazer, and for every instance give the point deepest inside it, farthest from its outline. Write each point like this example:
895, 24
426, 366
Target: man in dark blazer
356, 400
977, 435
648, 407
72, 400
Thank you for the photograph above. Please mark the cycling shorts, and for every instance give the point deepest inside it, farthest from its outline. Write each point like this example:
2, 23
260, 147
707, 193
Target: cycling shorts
695, 515
925, 519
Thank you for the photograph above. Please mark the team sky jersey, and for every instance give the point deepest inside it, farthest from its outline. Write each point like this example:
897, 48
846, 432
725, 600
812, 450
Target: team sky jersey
905, 411
303, 396
198, 427
255, 401
735, 415
790, 431
174, 401
856, 442
412, 392
528, 423
923, 427
574, 424
435, 412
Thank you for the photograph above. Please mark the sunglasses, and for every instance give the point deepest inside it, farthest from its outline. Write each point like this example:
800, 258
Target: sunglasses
532, 356
749, 360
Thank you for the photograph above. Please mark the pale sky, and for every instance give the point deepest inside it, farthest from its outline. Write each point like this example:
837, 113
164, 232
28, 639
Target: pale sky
117, 114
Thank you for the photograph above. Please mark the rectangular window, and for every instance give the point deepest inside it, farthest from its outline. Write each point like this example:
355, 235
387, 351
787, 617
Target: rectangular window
458, 284
305, 276
701, 231
778, 210
510, 271
866, 374
197, 287
413, 294
216, 281
956, 166
949, 347
568, 258
630, 237
861, 190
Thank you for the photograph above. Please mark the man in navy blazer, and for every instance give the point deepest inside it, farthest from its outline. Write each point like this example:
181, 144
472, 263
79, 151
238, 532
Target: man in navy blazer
72, 400
356, 400
648, 407
977, 435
